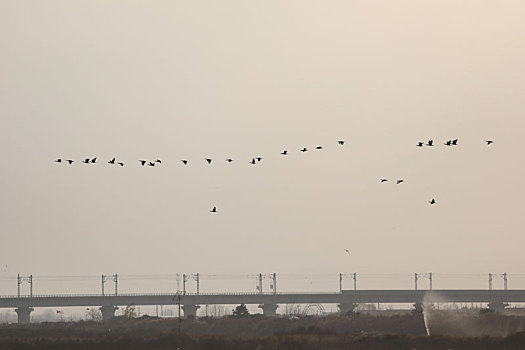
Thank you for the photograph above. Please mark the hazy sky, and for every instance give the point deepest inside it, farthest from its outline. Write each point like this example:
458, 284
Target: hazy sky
195, 79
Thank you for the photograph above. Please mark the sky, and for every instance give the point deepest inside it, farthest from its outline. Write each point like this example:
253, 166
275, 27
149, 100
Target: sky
205, 79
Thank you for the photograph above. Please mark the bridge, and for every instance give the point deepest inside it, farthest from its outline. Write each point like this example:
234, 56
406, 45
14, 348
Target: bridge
268, 302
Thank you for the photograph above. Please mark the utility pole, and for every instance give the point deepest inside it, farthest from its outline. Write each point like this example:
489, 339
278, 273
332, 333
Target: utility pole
274, 283
184, 284
490, 281
113, 278
430, 279
178, 302
415, 280
260, 283
505, 281
355, 280
28, 279
198, 282
340, 283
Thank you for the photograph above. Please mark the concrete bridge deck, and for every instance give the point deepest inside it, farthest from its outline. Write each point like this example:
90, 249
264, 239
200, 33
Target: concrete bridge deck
267, 301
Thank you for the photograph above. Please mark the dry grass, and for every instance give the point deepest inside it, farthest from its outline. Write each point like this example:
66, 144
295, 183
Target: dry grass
253, 332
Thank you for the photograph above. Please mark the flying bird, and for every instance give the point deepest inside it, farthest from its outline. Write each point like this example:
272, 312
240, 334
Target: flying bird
59, 160
285, 152
70, 161
94, 160
341, 142
86, 161
208, 160
448, 143
430, 143
399, 181
319, 147
112, 161
346, 250
143, 162
433, 201
489, 142
151, 164
120, 163
258, 159
158, 161
419, 144
383, 180
214, 210
304, 150
229, 160
253, 161
184, 161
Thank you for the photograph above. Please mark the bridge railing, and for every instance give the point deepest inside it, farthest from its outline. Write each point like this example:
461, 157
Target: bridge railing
158, 294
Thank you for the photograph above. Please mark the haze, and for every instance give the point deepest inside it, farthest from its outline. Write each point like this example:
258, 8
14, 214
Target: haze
173, 80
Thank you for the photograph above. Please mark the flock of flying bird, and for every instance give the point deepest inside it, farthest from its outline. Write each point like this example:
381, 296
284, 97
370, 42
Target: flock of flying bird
142, 162
255, 160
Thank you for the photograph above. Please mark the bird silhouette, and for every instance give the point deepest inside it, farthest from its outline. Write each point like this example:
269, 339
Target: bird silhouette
86, 161
319, 147
430, 143
229, 160
70, 161
208, 160
214, 210
120, 163
94, 160
158, 161
399, 181
304, 150
448, 143
489, 142
253, 161
184, 161
112, 161
341, 142
455, 142
285, 152
143, 162
383, 180
433, 201
258, 158
419, 144
151, 164
59, 160
346, 250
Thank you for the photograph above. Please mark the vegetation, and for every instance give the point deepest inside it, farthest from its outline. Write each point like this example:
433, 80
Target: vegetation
336, 332
240, 310
130, 312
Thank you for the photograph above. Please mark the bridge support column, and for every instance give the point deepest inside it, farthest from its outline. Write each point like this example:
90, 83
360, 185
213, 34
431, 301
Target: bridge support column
346, 308
497, 306
190, 310
418, 308
24, 314
108, 312
269, 309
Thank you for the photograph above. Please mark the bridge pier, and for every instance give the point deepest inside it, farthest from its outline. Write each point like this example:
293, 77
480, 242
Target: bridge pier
269, 309
346, 308
24, 314
108, 312
190, 310
497, 306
